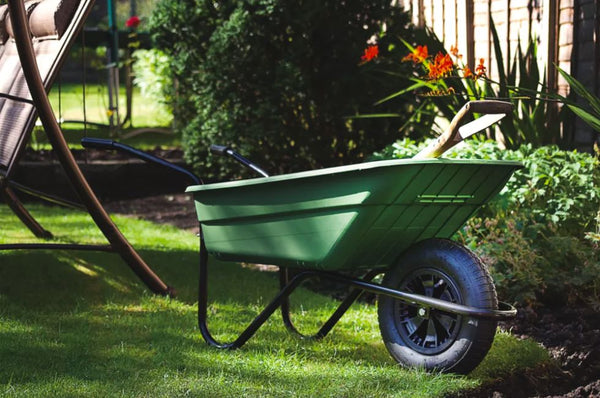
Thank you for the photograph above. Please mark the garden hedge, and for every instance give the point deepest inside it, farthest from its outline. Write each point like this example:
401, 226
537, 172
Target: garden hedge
280, 80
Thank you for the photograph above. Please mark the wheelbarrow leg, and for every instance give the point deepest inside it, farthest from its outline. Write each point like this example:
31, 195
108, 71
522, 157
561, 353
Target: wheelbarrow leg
333, 319
256, 323
281, 299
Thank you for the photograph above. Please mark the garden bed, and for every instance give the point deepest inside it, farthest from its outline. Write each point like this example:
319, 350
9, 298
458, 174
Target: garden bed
112, 175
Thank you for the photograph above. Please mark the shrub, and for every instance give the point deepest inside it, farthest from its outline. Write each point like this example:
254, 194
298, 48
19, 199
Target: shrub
555, 186
278, 79
152, 75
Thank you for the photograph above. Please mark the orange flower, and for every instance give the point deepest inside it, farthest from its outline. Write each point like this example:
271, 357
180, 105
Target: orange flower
467, 72
454, 52
419, 55
441, 66
480, 69
370, 53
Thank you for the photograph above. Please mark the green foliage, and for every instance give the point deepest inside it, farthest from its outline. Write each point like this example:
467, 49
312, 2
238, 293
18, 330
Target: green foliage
561, 187
555, 186
535, 120
539, 236
589, 114
278, 79
152, 74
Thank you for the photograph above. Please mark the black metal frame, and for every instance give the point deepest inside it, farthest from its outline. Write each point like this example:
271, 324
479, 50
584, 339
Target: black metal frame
287, 287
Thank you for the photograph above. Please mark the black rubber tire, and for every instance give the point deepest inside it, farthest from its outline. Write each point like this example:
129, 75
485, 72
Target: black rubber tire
432, 339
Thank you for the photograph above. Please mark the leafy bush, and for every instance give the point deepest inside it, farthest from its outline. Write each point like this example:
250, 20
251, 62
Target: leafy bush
555, 186
278, 79
533, 235
152, 75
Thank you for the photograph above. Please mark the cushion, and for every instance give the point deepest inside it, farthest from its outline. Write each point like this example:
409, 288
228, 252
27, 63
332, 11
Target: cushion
29, 7
52, 17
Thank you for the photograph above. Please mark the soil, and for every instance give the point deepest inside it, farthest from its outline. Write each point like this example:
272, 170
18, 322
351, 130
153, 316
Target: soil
93, 155
571, 335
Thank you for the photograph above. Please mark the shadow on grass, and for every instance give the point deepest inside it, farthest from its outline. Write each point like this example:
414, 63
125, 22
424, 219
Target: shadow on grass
81, 322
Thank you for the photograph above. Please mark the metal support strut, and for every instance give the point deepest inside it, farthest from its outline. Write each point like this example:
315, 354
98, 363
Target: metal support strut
287, 287
280, 300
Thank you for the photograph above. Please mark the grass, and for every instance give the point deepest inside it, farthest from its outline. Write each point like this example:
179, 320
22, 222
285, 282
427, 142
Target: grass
80, 324
69, 100
68, 105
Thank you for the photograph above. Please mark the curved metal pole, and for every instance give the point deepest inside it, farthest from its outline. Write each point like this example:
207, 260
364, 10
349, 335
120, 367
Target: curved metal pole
87, 196
17, 207
256, 323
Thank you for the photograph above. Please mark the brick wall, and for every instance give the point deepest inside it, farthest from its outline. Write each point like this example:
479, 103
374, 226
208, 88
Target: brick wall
567, 34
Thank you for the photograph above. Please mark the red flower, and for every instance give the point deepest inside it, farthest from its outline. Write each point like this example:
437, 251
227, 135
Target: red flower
133, 22
441, 66
370, 53
480, 69
419, 55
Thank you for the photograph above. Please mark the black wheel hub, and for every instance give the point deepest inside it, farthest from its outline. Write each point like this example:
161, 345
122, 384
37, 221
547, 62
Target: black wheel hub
427, 330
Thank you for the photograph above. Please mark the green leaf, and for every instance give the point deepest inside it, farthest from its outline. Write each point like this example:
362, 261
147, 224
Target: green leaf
587, 117
417, 85
499, 59
582, 91
374, 115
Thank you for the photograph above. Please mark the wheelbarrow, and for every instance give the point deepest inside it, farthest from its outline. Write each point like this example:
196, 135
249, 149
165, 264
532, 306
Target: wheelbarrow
437, 304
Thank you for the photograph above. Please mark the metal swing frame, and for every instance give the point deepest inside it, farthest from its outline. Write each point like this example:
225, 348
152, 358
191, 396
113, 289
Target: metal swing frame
117, 242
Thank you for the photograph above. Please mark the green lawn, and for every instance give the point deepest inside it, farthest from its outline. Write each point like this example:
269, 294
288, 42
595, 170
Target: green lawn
80, 324
68, 103
151, 122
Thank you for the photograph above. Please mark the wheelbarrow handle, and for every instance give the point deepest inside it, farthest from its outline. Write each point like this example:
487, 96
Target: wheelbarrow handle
224, 150
494, 108
105, 144
489, 107
219, 149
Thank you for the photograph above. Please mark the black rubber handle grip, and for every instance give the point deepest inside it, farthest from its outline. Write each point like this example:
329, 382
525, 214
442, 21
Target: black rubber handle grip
97, 143
219, 149
224, 150
102, 143
490, 107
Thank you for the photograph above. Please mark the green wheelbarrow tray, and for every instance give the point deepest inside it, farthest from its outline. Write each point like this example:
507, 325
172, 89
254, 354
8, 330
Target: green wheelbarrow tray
358, 216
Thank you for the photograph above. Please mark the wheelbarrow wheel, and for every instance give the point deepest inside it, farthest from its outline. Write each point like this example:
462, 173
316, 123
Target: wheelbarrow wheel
433, 339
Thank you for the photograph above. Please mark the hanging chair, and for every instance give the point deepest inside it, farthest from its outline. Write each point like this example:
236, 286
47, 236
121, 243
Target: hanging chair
35, 37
